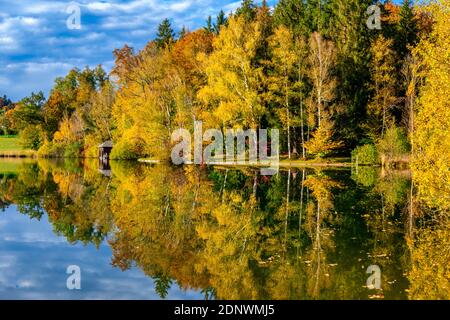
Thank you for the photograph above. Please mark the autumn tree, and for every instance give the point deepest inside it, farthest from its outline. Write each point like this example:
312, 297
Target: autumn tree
157, 93
411, 72
232, 93
190, 69
384, 86
432, 136
321, 60
100, 112
70, 130
322, 142
284, 83
143, 110
124, 62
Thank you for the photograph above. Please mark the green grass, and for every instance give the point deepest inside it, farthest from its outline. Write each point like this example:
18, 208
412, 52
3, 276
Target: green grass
10, 143
10, 147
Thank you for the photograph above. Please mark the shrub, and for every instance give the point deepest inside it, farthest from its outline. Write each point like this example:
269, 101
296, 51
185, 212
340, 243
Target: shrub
322, 143
51, 150
125, 151
31, 137
366, 155
394, 146
90, 148
73, 150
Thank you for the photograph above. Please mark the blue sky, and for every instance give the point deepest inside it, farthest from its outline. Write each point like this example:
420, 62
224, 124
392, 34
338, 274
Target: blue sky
36, 46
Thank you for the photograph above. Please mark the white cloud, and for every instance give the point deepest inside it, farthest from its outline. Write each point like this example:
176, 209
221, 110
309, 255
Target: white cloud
42, 7
99, 6
29, 21
6, 41
12, 24
180, 6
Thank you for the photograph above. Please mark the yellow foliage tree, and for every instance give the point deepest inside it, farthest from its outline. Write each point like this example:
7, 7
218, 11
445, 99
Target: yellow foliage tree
431, 139
281, 85
322, 143
232, 92
384, 85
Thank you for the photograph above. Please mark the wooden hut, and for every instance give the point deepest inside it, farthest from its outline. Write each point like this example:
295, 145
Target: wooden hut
105, 150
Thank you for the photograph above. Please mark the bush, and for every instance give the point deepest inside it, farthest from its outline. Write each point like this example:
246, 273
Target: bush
73, 150
125, 151
31, 137
90, 148
366, 155
51, 150
394, 146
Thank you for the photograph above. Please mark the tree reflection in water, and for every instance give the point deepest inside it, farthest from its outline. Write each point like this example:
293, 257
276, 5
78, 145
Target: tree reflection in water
233, 234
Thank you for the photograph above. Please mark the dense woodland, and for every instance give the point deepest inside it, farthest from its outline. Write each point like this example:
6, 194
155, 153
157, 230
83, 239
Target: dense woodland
313, 69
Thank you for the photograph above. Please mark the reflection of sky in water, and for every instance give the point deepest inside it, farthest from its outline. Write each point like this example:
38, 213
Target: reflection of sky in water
33, 262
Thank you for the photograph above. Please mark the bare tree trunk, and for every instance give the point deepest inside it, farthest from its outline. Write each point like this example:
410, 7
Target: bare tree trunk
288, 132
288, 117
302, 130
319, 92
224, 184
384, 122
255, 184
411, 210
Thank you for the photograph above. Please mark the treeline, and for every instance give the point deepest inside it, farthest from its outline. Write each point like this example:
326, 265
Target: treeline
313, 69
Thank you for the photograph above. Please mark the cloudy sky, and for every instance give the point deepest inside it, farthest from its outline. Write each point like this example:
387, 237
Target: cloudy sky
36, 45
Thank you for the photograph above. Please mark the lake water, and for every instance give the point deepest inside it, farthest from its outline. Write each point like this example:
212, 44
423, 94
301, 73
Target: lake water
139, 231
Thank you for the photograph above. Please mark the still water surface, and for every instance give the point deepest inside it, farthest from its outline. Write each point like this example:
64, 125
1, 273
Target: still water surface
152, 232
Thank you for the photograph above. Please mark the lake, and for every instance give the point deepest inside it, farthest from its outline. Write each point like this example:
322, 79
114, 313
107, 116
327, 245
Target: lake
141, 231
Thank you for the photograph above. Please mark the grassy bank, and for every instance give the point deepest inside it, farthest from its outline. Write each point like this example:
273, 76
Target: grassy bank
11, 148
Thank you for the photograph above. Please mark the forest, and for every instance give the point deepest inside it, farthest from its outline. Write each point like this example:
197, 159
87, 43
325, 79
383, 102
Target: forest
312, 69
334, 88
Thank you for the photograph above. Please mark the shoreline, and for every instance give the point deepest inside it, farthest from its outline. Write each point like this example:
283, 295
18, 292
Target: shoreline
324, 163
18, 154
283, 163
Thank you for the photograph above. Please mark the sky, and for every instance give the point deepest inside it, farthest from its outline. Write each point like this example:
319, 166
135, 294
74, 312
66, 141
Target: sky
36, 45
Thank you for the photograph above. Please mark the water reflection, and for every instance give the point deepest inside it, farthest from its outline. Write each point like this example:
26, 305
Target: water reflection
233, 234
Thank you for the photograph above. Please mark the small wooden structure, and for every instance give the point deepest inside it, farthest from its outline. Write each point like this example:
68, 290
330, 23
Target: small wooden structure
105, 150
